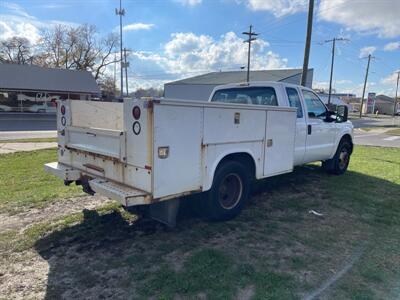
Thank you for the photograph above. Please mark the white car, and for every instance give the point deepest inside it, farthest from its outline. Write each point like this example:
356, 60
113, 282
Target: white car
4, 108
152, 151
45, 107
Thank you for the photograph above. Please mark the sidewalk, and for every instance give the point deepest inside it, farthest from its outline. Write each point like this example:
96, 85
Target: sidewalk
15, 135
16, 147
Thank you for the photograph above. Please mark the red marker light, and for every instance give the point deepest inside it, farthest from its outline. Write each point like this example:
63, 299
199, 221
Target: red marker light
136, 112
63, 109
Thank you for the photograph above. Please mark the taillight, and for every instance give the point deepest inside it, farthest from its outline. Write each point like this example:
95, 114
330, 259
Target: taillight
63, 109
136, 112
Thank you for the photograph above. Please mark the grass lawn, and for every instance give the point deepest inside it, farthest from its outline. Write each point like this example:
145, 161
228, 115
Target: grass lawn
276, 249
23, 182
32, 140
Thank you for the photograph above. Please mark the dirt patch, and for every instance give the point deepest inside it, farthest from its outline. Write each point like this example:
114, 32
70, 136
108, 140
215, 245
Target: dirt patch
247, 293
53, 211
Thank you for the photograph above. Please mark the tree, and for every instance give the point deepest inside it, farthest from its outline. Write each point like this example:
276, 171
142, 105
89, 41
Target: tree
15, 50
108, 87
79, 48
150, 92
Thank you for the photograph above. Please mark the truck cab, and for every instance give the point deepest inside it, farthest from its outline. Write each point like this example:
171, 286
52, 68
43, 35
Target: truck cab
319, 131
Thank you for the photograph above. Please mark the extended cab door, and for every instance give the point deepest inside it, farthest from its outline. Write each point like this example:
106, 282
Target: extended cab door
293, 97
320, 134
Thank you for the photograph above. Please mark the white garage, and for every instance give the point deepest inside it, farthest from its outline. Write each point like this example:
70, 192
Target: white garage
200, 87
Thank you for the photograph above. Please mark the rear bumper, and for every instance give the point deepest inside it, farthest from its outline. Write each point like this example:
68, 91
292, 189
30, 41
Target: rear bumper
126, 195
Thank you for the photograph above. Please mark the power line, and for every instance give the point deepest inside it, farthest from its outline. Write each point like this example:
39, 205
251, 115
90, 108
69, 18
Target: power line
250, 34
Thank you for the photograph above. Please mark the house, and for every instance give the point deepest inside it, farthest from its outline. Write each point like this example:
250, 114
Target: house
384, 105
29, 88
200, 87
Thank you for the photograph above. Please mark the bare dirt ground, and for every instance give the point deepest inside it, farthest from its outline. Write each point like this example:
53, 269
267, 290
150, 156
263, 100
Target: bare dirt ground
53, 211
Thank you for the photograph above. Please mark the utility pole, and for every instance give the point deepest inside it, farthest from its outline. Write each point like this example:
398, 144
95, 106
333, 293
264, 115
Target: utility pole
308, 43
365, 85
115, 74
333, 59
126, 65
121, 12
250, 34
395, 97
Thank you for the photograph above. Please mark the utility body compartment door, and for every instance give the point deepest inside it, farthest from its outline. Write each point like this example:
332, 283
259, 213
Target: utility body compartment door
280, 130
180, 129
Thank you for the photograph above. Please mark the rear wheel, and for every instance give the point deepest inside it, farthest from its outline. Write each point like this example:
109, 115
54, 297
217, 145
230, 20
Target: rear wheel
340, 162
229, 191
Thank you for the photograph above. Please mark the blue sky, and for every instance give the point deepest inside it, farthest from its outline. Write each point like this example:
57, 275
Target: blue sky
172, 39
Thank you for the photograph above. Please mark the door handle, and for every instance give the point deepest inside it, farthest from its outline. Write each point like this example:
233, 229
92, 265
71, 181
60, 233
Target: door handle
309, 129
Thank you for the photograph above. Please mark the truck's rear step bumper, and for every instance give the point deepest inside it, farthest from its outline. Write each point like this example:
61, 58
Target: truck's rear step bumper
62, 171
127, 195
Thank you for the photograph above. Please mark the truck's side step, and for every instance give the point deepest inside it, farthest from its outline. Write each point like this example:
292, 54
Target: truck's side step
126, 195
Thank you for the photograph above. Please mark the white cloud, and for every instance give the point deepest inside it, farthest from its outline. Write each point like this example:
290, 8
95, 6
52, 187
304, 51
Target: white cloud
15, 21
278, 7
188, 54
137, 26
15, 9
189, 2
367, 51
343, 81
391, 79
370, 17
392, 46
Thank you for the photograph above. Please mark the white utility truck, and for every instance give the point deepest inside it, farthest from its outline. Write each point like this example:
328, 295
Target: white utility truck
153, 151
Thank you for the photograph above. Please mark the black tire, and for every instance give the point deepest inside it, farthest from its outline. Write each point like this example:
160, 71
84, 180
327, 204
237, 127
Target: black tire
340, 161
229, 192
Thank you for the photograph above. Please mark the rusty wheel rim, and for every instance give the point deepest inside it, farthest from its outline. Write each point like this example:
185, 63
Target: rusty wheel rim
230, 191
343, 158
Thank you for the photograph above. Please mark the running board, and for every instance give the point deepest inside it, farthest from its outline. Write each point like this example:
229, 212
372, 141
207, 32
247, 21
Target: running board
128, 196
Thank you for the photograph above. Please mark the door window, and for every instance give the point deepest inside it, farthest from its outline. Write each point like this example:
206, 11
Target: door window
250, 95
315, 107
294, 101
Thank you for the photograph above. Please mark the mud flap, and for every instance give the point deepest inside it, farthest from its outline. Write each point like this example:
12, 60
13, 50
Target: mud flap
165, 212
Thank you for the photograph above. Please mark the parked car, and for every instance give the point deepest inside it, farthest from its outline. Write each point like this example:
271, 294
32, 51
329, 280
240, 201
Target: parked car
5, 108
150, 151
42, 97
45, 107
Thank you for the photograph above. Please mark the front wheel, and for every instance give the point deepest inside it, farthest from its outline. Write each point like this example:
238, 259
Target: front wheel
340, 162
229, 192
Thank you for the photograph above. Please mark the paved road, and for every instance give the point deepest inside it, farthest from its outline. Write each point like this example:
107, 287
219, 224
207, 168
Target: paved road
374, 122
376, 138
27, 122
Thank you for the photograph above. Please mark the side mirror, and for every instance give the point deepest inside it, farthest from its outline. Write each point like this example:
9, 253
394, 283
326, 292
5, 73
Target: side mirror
342, 113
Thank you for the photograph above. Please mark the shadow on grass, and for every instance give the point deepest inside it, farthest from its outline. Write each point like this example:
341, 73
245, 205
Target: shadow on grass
106, 256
